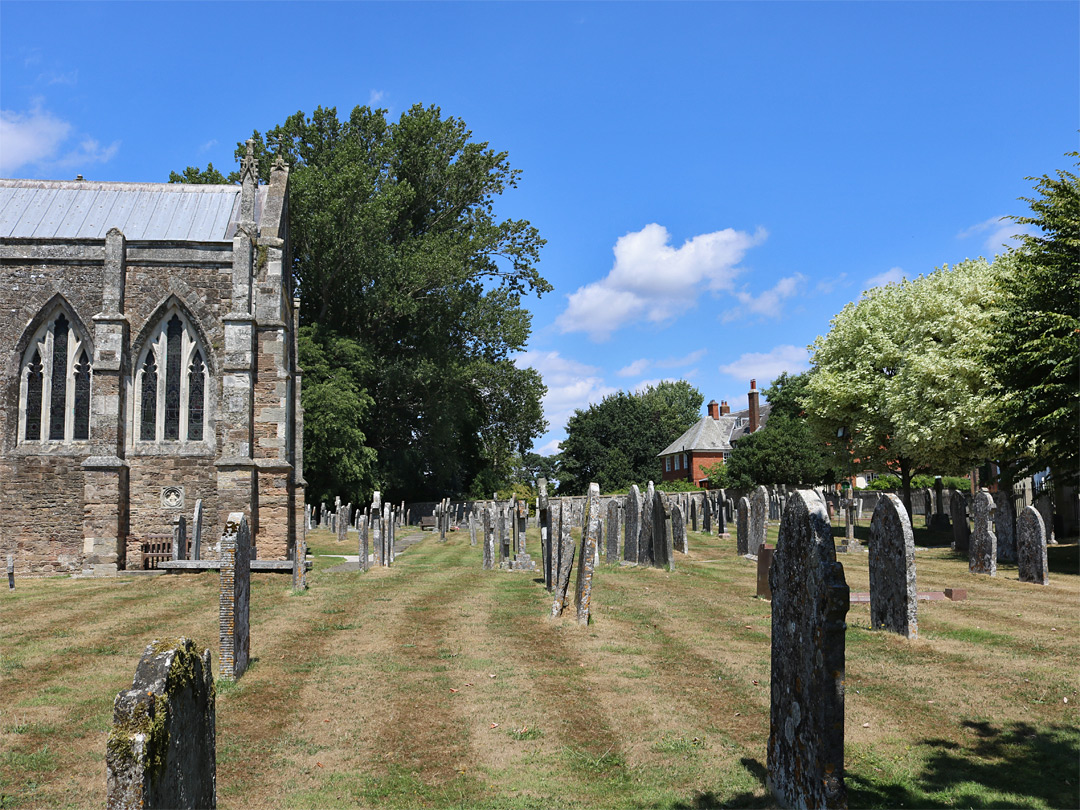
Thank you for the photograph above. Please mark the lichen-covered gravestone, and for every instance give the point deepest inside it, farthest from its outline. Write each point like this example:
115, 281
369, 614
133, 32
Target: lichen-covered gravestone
234, 605
161, 750
645, 554
893, 598
983, 558
678, 531
961, 530
663, 549
179, 538
565, 560
489, 541
1005, 526
632, 524
611, 533
809, 603
759, 506
196, 529
742, 527
589, 539
1031, 547
706, 517
1046, 508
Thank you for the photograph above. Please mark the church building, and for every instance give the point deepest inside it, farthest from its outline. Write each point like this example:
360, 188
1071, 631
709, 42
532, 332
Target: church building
149, 345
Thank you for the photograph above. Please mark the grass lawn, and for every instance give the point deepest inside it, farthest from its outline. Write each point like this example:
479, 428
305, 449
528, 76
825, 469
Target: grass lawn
437, 684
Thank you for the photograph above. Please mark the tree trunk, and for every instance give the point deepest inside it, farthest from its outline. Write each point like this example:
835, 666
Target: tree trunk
905, 484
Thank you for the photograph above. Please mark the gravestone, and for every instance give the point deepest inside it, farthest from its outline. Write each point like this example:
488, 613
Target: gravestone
196, 530
489, 541
632, 522
722, 512
893, 597
472, 527
363, 550
342, 524
810, 600
850, 543
565, 559
663, 549
502, 529
961, 530
1031, 547
1005, 526
693, 514
377, 545
179, 538
1046, 509
611, 529
11, 572
706, 517
983, 559
589, 542
758, 506
234, 604
742, 527
543, 513
161, 750
678, 531
645, 552
522, 561
299, 572
388, 534
928, 507
940, 521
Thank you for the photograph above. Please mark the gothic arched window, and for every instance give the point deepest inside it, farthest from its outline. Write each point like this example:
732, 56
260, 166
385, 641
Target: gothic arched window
171, 383
55, 384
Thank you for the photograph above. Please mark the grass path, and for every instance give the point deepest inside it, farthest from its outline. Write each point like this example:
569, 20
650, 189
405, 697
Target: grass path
437, 684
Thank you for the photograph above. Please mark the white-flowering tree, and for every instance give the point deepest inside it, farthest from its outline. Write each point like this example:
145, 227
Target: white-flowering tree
898, 382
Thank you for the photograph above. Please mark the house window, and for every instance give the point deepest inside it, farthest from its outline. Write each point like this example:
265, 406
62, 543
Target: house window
55, 384
667, 463
171, 384
684, 464
676, 463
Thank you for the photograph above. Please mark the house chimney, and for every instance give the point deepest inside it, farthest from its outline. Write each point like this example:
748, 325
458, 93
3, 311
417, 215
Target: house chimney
714, 410
725, 409
753, 397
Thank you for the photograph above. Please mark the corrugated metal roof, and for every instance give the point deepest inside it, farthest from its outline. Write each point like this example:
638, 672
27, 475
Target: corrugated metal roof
79, 209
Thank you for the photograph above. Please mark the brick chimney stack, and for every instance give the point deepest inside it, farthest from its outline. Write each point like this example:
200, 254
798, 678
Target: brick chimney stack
714, 410
753, 397
725, 409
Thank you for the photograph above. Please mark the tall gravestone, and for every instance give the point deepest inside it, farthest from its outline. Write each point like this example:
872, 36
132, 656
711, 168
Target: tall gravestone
758, 509
565, 559
678, 531
489, 540
983, 557
196, 531
388, 534
961, 530
299, 572
179, 538
810, 600
1005, 526
893, 597
742, 527
648, 518
234, 604
722, 512
1046, 508
472, 526
928, 507
375, 522
940, 521
589, 540
342, 524
363, 549
693, 515
663, 550
706, 513
543, 514
632, 524
1031, 547
161, 751
611, 533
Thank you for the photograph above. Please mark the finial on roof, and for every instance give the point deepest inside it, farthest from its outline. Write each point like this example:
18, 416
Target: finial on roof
279, 163
248, 165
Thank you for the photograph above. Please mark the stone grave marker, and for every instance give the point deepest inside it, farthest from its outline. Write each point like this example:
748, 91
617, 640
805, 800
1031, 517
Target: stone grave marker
928, 507
663, 549
961, 530
363, 550
179, 538
983, 559
489, 541
299, 572
648, 518
678, 531
1005, 526
543, 514
893, 596
1030, 547
565, 559
940, 521
742, 527
589, 542
723, 510
11, 572
758, 506
234, 604
706, 514
196, 530
1046, 509
810, 599
161, 750
611, 533
633, 524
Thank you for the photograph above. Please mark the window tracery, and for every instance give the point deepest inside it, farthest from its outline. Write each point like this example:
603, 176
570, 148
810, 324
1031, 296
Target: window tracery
55, 384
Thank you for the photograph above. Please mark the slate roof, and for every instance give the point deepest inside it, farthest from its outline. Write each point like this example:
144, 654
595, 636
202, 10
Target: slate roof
716, 435
80, 209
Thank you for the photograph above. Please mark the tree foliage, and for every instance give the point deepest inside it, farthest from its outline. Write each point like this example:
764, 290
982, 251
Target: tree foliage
1034, 347
397, 248
615, 442
899, 383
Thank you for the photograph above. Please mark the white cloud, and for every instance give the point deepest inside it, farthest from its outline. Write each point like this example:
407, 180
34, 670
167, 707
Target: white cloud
893, 275
550, 448
635, 368
829, 284
644, 364
87, 153
210, 144
767, 366
1001, 234
374, 97
571, 385
654, 281
36, 138
769, 304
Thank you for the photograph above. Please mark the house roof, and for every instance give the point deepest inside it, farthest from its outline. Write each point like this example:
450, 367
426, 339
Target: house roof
79, 209
716, 435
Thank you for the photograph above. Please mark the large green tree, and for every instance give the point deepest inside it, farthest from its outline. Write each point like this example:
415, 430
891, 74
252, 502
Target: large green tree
1034, 347
397, 248
614, 443
899, 383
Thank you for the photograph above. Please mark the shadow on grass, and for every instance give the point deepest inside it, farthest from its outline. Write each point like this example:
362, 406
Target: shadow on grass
709, 800
1017, 765
1063, 559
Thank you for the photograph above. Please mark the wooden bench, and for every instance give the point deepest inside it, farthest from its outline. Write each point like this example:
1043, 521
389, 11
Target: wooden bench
156, 548
428, 523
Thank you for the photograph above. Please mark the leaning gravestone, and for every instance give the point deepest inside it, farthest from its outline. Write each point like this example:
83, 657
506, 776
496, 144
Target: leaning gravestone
1005, 526
565, 559
742, 527
589, 539
983, 559
632, 524
645, 553
611, 529
678, 531
893, 598
960, 528
810, 600
1031, 547
234, 604
759, 505
161, 750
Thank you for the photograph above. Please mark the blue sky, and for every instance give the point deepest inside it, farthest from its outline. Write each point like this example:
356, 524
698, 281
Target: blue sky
714, 180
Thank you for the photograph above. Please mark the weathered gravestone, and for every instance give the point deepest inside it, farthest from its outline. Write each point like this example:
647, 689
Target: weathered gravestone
342, 524
489, 540
1031, 547
983, 559
161, 752
472, 526
543, 513
196, 530
810, 600
940, 521
299, 571
928, 507
693, 514
1005, 526
722, 512
388, 534
893, 597
502, 529
663, 550
1046, 508
678, 531
706, 518
632, 524
363, 550
589, 539
565, 559
742, 527
645, 551
234, 604
11, 572
961, 530
611, 533
758, 510
179, 538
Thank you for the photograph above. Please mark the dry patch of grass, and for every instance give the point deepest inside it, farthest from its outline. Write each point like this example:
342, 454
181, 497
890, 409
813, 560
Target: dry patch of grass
437, 684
